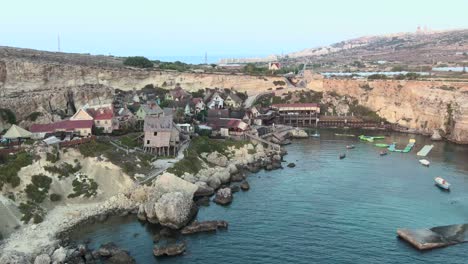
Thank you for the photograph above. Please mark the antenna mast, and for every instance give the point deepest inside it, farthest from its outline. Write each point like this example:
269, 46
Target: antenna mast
58, 42
206, 58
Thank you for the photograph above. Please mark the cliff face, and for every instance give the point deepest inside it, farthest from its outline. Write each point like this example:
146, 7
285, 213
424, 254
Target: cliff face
29, 84
44, 85
421, 106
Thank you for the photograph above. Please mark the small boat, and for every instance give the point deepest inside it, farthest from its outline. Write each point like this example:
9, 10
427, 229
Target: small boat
442, 183
424, 162
344, 135
350, 146
342, 156
383, 153
316, 135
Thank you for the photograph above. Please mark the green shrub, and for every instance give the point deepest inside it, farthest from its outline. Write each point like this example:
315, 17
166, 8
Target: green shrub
138, 61
31, 210
38, 189
55, 197
84, 186
8, 115
13, 164
53, 157
33, 116
129, 142
93, 148
63, 170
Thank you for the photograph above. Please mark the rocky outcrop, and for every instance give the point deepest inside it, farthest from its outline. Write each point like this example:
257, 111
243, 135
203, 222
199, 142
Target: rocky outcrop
175, 209
206, 226
223, 196
170, 250
436, 135
42, 259
203, 189
169, 202
298, 133
291, 165
245, 186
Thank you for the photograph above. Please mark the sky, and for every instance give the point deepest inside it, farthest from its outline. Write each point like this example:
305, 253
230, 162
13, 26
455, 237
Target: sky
222, 28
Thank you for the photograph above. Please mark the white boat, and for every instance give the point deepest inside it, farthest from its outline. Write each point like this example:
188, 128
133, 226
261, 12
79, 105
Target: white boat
440, 182
316, 135
424, 162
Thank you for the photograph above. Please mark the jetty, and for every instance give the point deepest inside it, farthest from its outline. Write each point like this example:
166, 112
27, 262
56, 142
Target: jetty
425, 150
436, 237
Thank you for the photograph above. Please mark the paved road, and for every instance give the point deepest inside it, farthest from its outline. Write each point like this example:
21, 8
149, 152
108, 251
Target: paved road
251, 99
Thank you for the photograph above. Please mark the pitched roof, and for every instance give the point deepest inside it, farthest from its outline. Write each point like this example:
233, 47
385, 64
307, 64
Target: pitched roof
66, 125
235, 97
178, 92
158, 124
86, 116
17, 132
230, 123
151, 109
102, 113
197, 100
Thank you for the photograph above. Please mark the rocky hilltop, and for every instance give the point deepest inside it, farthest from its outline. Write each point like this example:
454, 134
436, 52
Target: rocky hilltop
60, 82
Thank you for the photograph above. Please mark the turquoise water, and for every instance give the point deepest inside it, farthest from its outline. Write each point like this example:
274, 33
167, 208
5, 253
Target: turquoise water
324, 210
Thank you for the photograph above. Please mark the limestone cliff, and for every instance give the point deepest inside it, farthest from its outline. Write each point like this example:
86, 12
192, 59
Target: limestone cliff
421, 106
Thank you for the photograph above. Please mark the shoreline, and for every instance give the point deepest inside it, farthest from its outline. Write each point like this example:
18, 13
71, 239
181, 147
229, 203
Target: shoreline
51, 235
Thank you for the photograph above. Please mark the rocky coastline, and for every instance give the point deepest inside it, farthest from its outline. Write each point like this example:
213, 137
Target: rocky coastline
170, 201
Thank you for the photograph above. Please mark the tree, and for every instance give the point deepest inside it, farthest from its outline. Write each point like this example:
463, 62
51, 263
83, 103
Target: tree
138, 61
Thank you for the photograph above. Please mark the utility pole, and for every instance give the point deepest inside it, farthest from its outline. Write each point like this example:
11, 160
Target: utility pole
206, 58
58, 42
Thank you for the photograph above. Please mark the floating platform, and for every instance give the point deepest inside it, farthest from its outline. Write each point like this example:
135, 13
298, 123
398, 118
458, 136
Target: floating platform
407, 149
382, 145
425, 150
369, 138
436, 237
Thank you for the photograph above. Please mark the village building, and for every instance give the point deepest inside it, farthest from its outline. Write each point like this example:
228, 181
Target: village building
126, 118
228, 126
214, 100
232, 100
161, 135
217, 113
274, 66
177, 94
81, 128
198, 104
148, 110
297, 114
103, 117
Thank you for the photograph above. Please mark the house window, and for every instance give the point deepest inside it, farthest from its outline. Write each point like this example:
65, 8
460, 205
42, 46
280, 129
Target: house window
155, 134
105, 122
147, 142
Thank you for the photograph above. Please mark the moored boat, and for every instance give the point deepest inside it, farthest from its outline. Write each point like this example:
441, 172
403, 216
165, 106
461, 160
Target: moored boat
350, 146
316, 135
383, 153
442, 183
424, 162
342, 156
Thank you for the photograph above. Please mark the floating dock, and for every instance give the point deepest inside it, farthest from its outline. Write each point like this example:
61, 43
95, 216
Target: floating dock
436, 237
407, 149
425, 150
369, 138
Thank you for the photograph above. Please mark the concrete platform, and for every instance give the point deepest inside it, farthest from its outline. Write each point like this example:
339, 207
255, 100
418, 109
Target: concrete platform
436, 237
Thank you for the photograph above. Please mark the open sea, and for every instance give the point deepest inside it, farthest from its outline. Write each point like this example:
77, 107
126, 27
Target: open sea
324, 210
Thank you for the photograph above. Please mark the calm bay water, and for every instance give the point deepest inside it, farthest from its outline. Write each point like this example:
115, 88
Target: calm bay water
325, 210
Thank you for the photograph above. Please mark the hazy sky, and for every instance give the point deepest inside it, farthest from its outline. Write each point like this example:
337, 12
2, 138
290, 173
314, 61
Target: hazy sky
191, 27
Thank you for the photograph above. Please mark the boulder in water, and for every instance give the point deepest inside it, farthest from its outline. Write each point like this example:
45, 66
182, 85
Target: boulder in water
291, 165
121, 257
436, 135
203, 190
206, 226
175, 210
170, 250
245, 186
59, 255
223, 196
